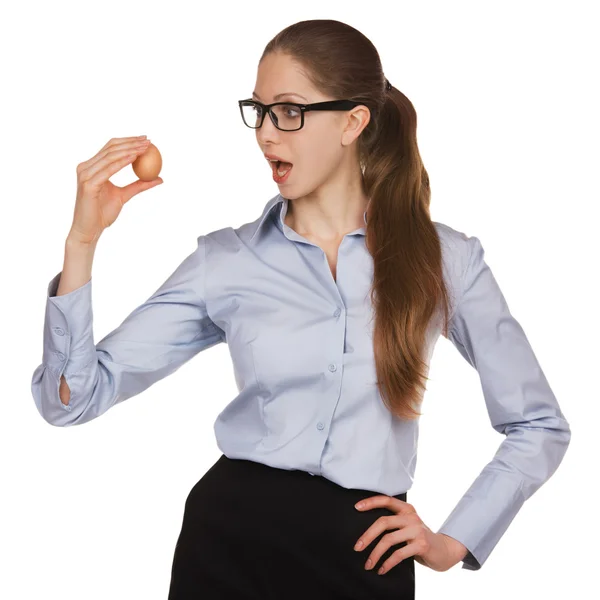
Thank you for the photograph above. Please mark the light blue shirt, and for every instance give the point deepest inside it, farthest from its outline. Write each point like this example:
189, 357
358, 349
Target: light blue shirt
301, 347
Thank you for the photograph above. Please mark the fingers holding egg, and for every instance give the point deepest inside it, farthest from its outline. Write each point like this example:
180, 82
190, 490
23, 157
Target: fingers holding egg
147, 165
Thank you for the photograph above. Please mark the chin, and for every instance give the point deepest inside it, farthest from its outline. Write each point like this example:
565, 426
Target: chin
287, 193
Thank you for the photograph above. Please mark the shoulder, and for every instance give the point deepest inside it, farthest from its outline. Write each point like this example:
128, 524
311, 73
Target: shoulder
462, 255
226, 241
220, 244
219, 241
230, 240
456, 248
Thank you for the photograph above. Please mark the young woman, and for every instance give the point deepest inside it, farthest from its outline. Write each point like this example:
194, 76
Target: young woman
331, 303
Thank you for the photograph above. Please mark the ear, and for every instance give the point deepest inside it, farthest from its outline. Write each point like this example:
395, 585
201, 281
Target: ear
356, 120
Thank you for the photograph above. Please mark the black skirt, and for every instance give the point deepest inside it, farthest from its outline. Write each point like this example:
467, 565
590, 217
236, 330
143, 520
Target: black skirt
253, 531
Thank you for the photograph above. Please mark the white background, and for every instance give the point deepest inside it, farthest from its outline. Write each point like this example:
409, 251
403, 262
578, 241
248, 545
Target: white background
507, 101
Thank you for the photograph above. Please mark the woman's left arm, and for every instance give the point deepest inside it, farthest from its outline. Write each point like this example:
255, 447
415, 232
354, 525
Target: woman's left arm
520, 404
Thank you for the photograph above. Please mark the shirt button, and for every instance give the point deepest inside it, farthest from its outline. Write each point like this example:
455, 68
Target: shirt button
332, 367
60, 355
320, 426
337, 312
59, 331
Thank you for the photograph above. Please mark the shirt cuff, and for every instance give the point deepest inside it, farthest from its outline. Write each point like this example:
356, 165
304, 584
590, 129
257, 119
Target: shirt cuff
483, 515
68, 328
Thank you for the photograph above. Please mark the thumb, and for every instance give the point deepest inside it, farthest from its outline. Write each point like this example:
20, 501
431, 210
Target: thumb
138, 186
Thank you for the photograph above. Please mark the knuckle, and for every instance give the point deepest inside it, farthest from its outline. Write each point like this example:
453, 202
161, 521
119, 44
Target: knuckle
82, 169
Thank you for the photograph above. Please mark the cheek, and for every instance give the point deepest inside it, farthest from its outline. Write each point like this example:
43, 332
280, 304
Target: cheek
318, 161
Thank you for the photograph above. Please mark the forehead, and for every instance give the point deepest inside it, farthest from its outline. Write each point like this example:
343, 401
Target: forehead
279, 77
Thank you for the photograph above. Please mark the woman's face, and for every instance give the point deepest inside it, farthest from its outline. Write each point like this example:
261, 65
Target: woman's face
318, 151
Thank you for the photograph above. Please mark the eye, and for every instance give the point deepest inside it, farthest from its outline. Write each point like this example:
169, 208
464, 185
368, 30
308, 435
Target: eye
291, 111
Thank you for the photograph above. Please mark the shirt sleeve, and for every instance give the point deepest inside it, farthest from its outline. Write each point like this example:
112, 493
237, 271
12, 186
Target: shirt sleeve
520, 405
159, 336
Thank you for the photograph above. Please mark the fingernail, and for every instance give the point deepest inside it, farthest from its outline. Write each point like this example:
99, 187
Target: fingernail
358, 546
360, 505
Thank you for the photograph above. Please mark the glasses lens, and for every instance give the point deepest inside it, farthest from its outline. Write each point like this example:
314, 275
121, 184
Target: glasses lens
287, 117
252, 114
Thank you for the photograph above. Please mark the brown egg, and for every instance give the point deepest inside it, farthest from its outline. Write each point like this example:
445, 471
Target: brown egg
147, 165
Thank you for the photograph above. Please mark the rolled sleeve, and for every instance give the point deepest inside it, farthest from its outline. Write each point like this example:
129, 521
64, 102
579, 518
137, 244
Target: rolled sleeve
520, 405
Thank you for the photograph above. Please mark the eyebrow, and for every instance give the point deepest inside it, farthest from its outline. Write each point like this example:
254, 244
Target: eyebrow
281, 96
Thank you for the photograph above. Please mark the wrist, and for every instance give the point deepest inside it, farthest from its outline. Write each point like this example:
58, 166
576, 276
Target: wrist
76, 243
455, 548
78, 239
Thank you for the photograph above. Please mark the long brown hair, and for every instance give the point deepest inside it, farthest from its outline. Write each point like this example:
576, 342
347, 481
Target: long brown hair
408, 285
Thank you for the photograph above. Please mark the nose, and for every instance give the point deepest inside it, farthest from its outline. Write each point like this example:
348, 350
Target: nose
267, 131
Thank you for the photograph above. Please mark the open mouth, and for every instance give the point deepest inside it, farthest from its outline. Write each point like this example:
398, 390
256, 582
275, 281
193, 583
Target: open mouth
280, 167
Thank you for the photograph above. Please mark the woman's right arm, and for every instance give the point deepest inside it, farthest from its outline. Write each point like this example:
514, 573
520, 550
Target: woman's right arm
153, 341
79, 380
77, 271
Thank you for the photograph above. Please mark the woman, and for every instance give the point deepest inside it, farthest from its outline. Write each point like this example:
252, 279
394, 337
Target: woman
331, 303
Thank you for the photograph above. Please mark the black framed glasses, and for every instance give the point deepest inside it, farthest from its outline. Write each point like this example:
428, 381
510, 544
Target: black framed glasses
286, 116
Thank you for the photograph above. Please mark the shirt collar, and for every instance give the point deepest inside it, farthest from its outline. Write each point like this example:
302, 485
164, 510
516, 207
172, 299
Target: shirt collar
282, 203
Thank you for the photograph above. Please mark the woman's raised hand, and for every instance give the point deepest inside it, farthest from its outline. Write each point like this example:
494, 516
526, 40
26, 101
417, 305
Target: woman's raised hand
99, 202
